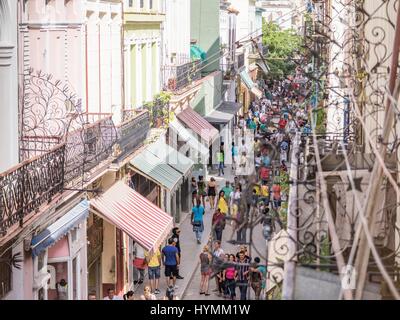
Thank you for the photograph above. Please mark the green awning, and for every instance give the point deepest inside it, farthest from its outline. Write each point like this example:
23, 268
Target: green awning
246, 79
172, 157
264, 68
157, 170
197, 53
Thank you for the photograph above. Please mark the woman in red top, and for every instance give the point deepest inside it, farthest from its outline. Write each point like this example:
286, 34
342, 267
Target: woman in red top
276, 195
230, 277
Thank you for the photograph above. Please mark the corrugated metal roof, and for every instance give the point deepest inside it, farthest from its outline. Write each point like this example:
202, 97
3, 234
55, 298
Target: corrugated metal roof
224, 113
199, 125
187, 137
157, 169
171, 156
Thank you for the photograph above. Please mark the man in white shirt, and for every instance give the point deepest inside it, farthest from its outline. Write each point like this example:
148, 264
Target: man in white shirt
111, 295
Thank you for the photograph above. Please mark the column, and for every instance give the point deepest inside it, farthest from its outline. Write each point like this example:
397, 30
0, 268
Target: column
138, 89
127, 75
148, 70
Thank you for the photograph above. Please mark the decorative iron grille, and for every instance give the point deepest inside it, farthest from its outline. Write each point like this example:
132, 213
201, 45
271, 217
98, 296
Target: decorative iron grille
24, 188
180, 76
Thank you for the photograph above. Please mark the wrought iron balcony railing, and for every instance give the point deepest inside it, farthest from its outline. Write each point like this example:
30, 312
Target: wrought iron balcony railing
89, 145
30, 184
132, 131
180, 76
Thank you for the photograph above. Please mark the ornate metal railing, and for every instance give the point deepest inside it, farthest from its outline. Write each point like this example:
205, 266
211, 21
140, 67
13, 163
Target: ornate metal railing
132, 131
179, 76
88, 146
32, 183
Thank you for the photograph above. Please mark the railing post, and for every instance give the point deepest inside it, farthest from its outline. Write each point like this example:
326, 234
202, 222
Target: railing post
290, 262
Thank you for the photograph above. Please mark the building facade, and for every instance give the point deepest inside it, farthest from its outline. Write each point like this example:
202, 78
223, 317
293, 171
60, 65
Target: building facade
8, 84
143, 23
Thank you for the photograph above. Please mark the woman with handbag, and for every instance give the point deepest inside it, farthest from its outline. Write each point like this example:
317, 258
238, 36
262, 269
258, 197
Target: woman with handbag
197, 220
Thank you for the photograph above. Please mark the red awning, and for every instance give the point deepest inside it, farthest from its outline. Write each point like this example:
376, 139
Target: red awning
199, 125
140, 219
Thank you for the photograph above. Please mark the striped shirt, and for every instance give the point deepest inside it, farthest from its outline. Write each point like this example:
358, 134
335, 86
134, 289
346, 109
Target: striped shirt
243, 266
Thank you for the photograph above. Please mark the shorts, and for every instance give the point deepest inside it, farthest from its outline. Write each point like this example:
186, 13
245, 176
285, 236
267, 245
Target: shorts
277, 203
171, 271
154, 272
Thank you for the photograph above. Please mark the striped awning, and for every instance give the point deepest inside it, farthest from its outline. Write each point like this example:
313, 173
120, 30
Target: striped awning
157, 170
171, 156
187, 137
60, 228
129, 211
199, 125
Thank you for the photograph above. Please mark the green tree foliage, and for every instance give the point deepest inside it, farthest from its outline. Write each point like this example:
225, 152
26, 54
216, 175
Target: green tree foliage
283, 45
158, 109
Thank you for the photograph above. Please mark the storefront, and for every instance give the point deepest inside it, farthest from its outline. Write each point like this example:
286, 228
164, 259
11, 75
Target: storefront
127, 216
59, 257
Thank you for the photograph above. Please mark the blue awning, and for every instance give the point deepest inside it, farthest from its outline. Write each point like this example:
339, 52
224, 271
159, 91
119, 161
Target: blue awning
60, 228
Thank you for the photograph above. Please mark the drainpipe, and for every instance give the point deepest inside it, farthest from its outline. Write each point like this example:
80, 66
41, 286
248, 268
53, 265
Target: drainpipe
87, 69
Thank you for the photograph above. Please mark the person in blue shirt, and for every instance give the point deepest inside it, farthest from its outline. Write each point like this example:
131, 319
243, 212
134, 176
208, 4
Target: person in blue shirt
197, 220
170, 259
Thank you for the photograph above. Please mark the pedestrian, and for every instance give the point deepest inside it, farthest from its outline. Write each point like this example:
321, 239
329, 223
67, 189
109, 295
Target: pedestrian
243, 151
241, 223
220, 160
235, 154
147, 295
265, 194
111, 295
170, 294
197, 220
170, 259
139, 264
194, 190
255, 279
227, 191
257, 162
276, 195
222, 204
217, 262
263, 271
235, 201
264, 175
218, 224
211, 192
243, 268
201, 189
205, 269
92, 296
129, 295
222, 150
175, 235
230, 276
154, 269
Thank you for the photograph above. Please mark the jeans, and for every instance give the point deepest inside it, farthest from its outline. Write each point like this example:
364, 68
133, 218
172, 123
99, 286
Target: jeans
138, 274
221, 168
230, 288
243, 289
198, 234
241, 235
218, 234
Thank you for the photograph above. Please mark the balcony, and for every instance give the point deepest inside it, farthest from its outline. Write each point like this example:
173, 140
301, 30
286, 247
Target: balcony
177, 77
29, 185
132, 131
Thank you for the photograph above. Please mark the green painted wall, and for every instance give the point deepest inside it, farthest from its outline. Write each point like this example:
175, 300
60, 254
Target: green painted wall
209, 96
205, 29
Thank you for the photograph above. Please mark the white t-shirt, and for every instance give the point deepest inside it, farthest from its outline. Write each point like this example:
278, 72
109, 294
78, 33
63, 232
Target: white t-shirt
243, 148
139, 252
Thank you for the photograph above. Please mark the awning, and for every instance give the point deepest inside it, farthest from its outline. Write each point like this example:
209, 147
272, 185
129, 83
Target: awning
197, 53
187, 137
246, 79
199, 125
60, 228
140, 219
171, 156
224, 113
250, 84
157, 170
264, 68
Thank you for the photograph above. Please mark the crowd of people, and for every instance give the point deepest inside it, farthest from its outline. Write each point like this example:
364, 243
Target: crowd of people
272, 121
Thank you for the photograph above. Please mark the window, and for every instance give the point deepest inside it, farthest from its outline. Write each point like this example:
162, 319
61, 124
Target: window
130, 3
141, 4
150, 4
5, 273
